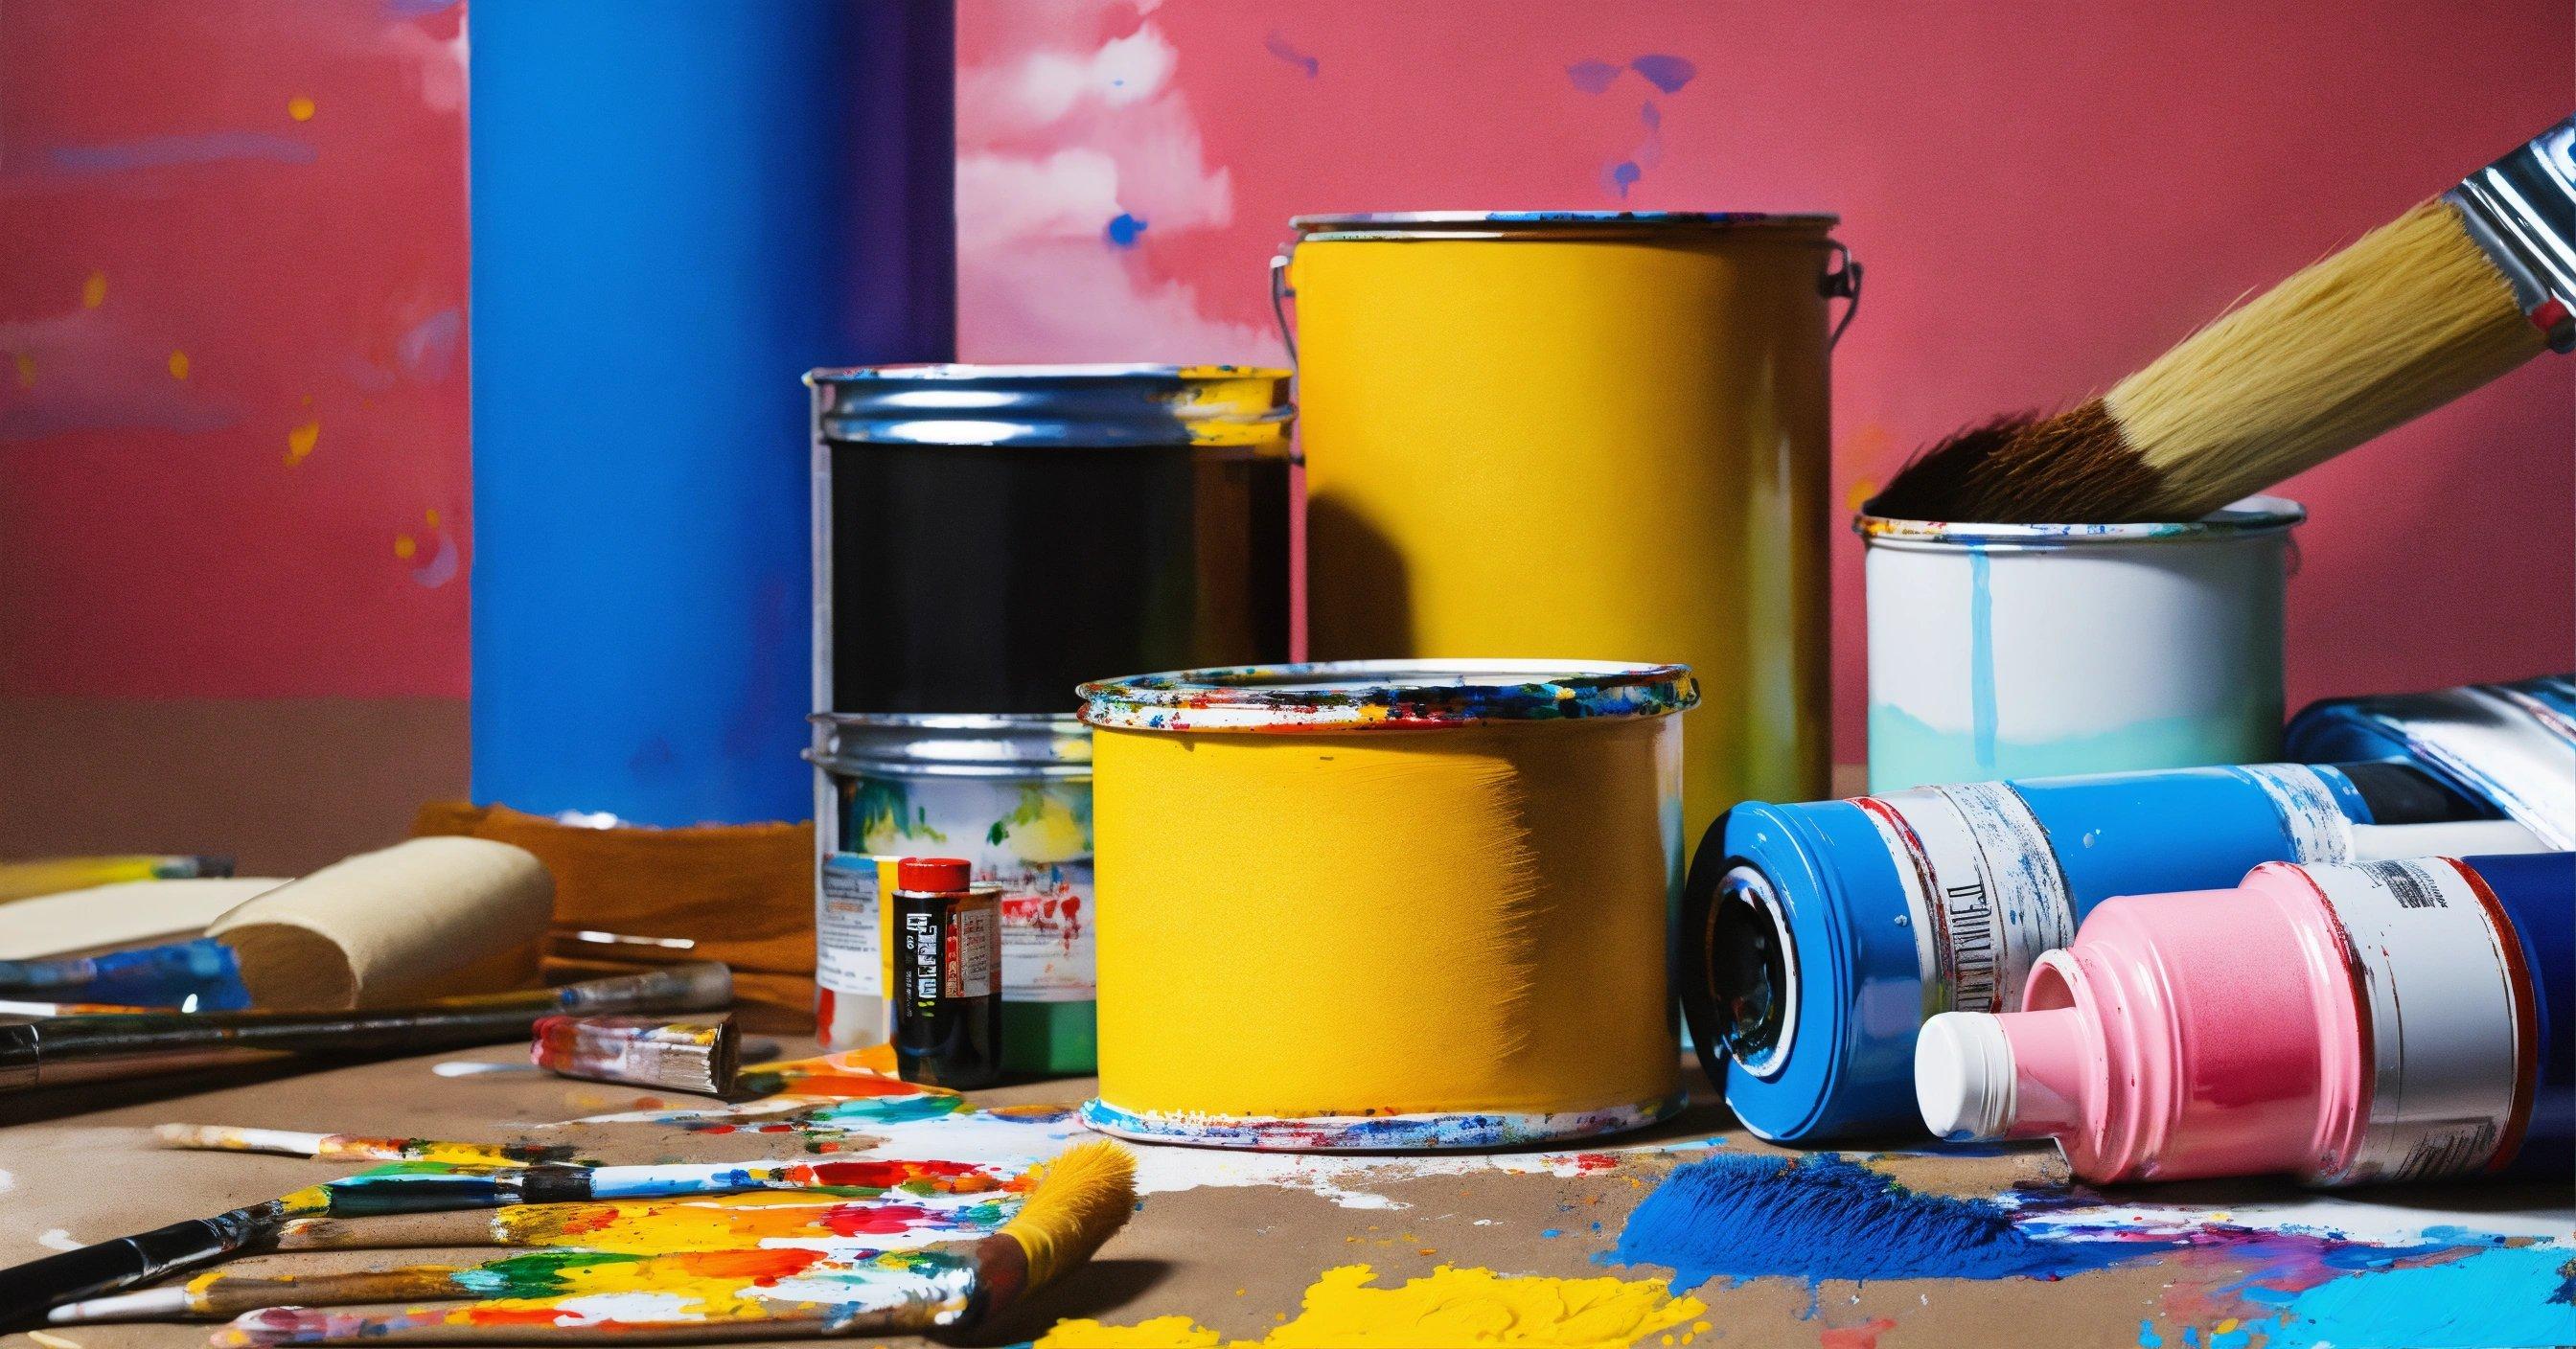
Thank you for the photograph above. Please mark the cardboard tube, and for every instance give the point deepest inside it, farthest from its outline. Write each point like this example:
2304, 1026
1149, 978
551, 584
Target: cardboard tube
428, 918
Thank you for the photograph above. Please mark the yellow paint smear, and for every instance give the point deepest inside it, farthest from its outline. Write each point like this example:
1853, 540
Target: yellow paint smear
300, 441
1448, 1307
657, 1227
178, 365
1432, 921
94, 290
300, 108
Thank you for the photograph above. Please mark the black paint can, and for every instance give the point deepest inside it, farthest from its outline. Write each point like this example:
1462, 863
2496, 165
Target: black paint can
948, 974
987, 537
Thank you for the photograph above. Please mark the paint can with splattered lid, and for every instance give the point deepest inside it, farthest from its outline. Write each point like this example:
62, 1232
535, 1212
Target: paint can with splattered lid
2009, 651
1387, 905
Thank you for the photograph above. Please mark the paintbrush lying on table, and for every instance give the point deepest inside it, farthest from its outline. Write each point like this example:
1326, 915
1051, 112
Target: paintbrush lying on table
27, 1290
360, 1147
1079, 1201
82, 1048
2450, 295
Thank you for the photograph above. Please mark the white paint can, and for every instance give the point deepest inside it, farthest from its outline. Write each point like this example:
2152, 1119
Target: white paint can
2013, 651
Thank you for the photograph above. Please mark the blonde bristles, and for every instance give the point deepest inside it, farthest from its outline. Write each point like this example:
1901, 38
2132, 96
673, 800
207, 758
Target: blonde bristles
1080, 1200
2412, 315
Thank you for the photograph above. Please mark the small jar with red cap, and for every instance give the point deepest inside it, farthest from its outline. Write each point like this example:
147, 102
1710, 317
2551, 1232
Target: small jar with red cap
948, 974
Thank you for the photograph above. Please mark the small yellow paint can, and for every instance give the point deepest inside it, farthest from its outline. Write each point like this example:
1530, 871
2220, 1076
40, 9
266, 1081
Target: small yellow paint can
1386, 904
1553, 434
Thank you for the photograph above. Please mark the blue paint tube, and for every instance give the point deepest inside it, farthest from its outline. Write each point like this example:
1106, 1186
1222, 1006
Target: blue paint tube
2512, 745
2538, 895
201, 975
1817, 937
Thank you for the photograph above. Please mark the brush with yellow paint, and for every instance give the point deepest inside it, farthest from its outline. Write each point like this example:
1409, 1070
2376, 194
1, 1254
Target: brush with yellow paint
2447, 297
1078, 1202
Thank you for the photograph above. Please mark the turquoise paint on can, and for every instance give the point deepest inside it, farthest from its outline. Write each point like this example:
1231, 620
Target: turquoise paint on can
1981, 659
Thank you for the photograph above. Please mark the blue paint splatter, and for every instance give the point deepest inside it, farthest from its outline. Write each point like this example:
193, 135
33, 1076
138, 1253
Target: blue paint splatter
1551, 1232
2500, 1295
2231, 1339
1592, 77
1668, 73
1981, 659
1277, 44
1123, 229
154, 152
1824, 1217
2147, 1336
1624, 173
2191, 1337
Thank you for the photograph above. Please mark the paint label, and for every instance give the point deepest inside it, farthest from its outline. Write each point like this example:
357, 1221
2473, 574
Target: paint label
968, 961
2311, 818
1982, 889
1030, 837
2448, 1025
849, 957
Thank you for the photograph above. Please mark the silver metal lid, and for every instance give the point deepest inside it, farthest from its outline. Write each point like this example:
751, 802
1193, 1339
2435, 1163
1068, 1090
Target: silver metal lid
941, 745
2252, 516
1068, 406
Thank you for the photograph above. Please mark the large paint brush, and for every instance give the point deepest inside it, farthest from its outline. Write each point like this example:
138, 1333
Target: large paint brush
216, 1295
1079, 1201
2450, 295
28, 1289
78, 1048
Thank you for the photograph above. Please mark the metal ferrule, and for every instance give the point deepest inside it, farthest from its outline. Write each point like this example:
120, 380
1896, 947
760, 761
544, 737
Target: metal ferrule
2521, 210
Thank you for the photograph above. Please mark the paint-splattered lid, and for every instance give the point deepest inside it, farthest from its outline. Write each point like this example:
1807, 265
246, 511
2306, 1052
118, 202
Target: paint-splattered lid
1390, 695
1499, 224
1060, 406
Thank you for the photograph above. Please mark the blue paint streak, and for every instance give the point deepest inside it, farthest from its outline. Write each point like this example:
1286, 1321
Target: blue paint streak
1552, 1232
1824, 1217
152, 152
1123, 229
2147, 1336
2498, 1296
1981, 659
1624, 173
154, 976
427, 350
1592, 77
1668, 73
1277, 44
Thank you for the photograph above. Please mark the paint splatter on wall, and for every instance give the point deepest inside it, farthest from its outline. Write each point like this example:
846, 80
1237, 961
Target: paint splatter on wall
234, 317
1936, 130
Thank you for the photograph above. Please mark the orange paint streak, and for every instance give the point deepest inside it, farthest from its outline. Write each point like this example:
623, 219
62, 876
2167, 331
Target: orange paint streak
1856, 1337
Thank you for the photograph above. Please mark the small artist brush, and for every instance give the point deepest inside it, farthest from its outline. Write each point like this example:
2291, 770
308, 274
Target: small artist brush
216, 1295
76, 1048
358, 1147
27, 1290
1079, 1201
2450, 295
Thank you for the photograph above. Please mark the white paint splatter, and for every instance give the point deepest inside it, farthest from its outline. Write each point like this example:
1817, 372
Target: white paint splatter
1058, 135
56, 1239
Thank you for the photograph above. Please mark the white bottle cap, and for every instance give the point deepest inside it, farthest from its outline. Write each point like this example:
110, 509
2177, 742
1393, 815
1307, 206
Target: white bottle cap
1963, 1076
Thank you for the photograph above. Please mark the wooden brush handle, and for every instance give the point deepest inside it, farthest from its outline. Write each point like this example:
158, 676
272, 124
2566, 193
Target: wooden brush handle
229, 1295
393, 1231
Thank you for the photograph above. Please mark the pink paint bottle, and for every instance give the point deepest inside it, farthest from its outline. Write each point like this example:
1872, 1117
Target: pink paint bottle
2348, 1024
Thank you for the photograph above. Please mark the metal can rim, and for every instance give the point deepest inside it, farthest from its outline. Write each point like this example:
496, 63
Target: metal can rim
1502, 224
1386, 695
963, 371
1002, 745
2251, 517
1237, 409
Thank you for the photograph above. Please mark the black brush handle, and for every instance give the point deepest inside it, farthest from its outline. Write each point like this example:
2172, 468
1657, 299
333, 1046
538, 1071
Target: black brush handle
28, 1290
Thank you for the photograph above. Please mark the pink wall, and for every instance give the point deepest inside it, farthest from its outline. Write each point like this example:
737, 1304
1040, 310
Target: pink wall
232, 443
2046, 196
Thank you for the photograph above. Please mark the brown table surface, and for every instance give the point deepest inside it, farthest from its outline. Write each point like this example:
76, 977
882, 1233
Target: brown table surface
1234, 1258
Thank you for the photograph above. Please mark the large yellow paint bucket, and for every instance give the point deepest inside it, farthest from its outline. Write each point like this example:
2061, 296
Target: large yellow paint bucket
1572, 434
1386, 905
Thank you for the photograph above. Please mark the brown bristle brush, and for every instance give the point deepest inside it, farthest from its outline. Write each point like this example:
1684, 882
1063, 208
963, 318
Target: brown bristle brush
2446, 297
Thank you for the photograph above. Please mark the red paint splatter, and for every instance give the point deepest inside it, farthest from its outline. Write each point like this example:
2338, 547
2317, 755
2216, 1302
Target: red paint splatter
764, 1265
874, 1220
1856, 1337
1588, 1162
959, 1177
